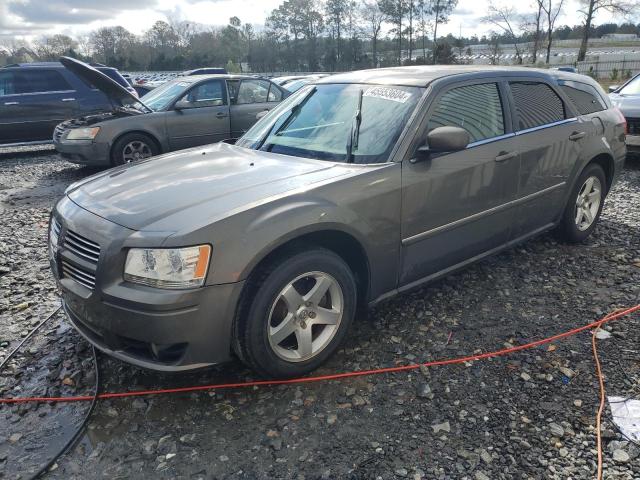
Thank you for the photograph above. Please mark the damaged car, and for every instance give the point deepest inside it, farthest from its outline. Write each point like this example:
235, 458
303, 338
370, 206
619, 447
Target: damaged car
361, 186
183, 113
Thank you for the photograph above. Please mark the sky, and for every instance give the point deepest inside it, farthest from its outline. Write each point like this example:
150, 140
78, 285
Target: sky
32, 18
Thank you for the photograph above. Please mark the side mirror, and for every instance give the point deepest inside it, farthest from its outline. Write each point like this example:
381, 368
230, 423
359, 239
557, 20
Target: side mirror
182, 105
443, 140
613, 88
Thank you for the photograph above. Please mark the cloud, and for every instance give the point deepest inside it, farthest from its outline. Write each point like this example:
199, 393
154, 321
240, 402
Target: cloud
36, 13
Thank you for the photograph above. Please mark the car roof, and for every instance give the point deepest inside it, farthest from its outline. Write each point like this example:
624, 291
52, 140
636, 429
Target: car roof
423, 75
223, 76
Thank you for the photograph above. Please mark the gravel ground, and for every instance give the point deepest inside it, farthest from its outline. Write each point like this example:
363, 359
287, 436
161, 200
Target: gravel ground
527, 416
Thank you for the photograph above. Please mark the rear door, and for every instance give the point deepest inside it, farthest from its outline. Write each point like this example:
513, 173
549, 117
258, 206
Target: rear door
250, 100
549, 138
49, 99
41, 99
457, 206
205, 121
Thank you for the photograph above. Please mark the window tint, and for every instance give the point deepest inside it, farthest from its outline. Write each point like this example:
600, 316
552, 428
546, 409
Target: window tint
537, 104
476, 108
252, 91
275, 95
8, 84
44, 81
583, 96
207, 94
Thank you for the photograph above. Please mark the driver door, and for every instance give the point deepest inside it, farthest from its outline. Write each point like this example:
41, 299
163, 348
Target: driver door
456, 205
200, 117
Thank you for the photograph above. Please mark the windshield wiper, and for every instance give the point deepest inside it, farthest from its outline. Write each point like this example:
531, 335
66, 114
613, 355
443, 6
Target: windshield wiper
354, 134
286, 120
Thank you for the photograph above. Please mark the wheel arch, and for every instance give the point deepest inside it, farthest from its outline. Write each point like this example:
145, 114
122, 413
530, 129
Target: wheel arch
605, 160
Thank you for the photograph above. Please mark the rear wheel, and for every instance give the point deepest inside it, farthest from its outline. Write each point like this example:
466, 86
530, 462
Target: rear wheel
584, 206
297, 313
133, 147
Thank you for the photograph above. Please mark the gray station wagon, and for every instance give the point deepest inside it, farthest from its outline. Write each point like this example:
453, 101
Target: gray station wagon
354, 189
185, 112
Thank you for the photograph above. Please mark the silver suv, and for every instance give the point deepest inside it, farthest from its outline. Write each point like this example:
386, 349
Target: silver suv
352, 190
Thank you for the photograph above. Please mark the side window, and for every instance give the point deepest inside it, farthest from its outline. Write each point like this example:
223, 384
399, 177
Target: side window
39, 81
8, 84
208, 94
584, 97
476, 108
275, 94
233, 86
253, 91
537, 104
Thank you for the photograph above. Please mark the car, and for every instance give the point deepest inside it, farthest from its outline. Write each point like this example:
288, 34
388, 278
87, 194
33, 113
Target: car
295, 85
35, 97
362, 186
182, 113
205, 71
282, 81
627, 99
142, 89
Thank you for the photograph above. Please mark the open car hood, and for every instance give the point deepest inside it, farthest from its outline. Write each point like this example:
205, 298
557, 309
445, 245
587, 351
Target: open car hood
99, 80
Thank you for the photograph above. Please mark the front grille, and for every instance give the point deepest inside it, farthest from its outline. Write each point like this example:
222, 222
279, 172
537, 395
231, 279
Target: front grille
80, 275
633, 126
82, 246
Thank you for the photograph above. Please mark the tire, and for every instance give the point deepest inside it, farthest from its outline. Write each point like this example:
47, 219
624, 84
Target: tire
271, 309
125, 149
583, 209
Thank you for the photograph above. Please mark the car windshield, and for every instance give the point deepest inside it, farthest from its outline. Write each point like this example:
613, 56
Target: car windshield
322, 122
631, 88
159, 98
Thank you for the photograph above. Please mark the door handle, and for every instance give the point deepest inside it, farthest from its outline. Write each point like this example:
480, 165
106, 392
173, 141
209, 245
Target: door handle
221, 115
504, 156
12, 103
577, 136
68, 99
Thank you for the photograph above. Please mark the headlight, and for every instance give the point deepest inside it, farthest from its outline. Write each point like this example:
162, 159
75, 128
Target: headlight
86, 133
168, 267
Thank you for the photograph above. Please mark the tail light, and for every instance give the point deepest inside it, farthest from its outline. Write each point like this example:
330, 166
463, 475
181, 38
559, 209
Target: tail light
622, 120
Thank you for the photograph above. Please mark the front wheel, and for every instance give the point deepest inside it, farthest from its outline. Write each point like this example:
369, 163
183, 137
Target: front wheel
297, 313
584, 206
133, 147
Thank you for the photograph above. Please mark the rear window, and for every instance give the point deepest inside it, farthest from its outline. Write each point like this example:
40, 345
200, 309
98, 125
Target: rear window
537, 104
38, 81
583, 96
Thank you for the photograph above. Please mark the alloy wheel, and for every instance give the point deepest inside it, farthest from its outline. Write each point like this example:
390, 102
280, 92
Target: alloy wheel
305, 316
135, 150
588, 203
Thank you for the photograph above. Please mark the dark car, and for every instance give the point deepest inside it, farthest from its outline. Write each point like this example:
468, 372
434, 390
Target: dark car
35, 97
352, 190
182, 113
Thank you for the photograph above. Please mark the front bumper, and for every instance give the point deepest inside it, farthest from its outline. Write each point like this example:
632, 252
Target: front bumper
633, 143
85, 152
169, 330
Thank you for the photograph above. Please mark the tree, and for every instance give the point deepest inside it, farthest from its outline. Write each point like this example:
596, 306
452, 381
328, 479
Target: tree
552, 13
494, 49
374, 17
591, 7
440, 9
533, 26
395, 11
505, 17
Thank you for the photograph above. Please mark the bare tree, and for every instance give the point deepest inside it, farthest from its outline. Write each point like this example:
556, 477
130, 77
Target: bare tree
505, 18
533, 24
552, 13
494, 49
591, 7
374, 17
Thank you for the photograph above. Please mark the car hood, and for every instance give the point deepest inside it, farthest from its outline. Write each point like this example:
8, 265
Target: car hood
629, 105
112, 89
194, 187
